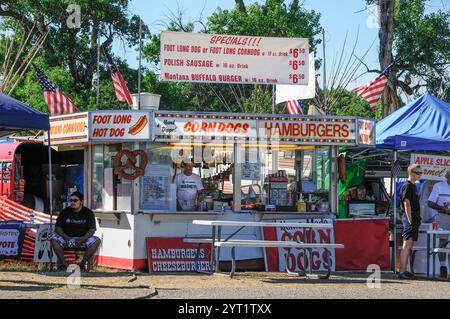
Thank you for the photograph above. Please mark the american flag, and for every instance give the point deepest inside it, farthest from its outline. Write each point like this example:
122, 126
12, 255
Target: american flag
57, 102
396, 168
294, 107
122, 92
371, 92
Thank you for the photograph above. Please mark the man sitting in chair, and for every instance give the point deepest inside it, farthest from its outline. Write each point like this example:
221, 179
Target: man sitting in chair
75, 228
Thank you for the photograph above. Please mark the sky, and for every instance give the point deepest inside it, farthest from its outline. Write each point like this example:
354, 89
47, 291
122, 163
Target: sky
339, 18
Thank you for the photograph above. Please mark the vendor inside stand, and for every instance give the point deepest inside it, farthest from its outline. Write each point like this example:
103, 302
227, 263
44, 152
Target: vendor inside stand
190, 193
286, 178
186, 177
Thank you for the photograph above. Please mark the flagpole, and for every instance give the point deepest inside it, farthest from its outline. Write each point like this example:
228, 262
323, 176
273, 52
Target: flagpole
395, 218
98, 69
324, 75
50, 190
140, 58
273, 99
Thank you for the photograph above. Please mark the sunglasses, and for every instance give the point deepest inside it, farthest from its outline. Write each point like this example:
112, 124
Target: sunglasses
74, 200
418, 173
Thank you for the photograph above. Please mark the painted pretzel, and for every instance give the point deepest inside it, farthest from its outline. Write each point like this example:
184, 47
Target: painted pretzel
119, 169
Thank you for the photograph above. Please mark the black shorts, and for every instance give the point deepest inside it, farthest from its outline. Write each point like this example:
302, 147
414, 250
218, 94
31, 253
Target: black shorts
410, 231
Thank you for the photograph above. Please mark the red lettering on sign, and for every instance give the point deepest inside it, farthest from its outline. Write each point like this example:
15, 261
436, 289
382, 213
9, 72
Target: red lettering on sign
101, 119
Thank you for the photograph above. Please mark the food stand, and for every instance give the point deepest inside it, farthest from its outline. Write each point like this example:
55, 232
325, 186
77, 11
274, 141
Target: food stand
253, 167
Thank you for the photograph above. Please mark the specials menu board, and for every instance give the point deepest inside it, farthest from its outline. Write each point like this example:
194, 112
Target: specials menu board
210, 58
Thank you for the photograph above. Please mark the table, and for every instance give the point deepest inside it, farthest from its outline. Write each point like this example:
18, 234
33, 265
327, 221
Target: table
434, 234
218, 224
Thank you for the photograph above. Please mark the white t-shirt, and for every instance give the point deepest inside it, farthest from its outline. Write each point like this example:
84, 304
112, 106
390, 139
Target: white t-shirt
187, 188
440, 194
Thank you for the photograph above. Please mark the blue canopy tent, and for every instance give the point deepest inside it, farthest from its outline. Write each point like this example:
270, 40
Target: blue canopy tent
17, 116
422, 125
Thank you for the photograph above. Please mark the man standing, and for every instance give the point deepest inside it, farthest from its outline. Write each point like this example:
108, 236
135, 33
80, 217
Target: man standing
75, 228
189, 189
410, 206
439, 201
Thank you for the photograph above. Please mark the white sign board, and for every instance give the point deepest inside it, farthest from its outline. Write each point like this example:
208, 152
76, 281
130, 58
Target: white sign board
119, 125
9, 242
298, 259
169, 128
309, 131
433, 166
211, 58
69, 128
43, 248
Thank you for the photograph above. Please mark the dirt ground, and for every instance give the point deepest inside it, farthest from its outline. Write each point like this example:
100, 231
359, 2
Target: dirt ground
253, 285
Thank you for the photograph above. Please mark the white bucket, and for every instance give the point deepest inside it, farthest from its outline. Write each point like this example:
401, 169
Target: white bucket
148, 101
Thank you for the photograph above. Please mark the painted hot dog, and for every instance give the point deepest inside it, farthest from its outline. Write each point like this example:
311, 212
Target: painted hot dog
139, 126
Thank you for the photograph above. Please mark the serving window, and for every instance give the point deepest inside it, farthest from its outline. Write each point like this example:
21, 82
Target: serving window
110, 191
286, 178
159, 188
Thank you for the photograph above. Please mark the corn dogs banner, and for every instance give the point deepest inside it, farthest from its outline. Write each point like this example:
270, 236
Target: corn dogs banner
210, 58
169, 127
299, 259
120, 125
70, 128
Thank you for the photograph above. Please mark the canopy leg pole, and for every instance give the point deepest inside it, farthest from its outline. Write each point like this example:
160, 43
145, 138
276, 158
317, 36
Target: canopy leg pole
50, 190
395, 217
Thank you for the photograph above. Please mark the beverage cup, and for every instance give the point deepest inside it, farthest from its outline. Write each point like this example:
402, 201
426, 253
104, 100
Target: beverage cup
435, 225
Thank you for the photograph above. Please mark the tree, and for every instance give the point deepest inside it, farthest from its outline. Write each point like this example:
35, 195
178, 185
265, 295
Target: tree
69, 56
421, 43
273, 18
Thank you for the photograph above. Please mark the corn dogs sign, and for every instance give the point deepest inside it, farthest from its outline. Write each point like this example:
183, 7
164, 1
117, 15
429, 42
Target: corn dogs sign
70, 128
279, 129
119, 125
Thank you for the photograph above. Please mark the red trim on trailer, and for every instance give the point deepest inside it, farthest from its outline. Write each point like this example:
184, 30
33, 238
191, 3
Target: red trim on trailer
121, 263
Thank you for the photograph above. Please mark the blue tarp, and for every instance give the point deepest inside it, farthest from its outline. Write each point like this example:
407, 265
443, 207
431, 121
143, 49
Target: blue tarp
423, 124
16, 116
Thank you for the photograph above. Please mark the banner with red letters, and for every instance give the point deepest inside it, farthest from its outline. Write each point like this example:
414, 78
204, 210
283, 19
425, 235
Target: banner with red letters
298, 258
212, 58
173, 255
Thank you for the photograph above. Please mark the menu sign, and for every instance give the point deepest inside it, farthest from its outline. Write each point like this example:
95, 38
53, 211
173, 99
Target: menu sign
70, 128
169, 128
119, 125
434, 166
209, 58
310, 131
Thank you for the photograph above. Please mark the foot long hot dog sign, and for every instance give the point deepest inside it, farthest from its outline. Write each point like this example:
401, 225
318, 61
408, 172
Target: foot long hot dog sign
189, 57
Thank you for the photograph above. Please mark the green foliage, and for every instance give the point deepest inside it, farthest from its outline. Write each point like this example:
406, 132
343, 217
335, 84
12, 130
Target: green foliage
260, 101
69, 56
422, 41
349, 104
273, 19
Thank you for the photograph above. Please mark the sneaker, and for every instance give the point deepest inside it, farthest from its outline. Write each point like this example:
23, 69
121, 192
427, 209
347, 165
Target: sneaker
403, 276
410, 275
